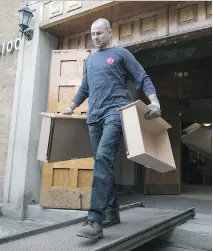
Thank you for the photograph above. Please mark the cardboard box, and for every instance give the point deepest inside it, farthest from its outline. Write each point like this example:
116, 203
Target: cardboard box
63, 137
147, 141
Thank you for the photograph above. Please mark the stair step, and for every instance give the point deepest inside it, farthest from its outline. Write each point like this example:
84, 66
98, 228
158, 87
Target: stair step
196, 233
160, 247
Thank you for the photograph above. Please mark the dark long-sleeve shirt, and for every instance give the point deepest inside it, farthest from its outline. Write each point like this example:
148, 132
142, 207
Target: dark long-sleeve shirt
105, 82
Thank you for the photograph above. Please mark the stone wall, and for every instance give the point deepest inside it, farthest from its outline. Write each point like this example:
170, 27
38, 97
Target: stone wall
9, 30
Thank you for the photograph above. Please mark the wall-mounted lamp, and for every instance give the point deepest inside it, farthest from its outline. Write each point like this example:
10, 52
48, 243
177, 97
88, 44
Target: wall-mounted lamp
25, 17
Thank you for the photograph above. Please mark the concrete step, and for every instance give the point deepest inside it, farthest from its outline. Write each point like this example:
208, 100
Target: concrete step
196, 233
36, 212
155, 246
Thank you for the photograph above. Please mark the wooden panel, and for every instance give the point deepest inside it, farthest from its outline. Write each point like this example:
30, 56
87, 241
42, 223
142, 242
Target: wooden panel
69, 68
76, 173
187, 14
61, 177
65, 97
209, 9
126, 30
149, 24
88, 41
85, 178
69, 174
141, 28
66, 94
75, 43
81, 40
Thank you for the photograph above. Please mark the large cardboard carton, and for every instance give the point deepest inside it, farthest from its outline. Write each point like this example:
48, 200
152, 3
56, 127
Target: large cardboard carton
63, 137
147, 141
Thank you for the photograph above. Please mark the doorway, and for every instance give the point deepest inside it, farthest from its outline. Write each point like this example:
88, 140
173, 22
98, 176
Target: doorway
183, 72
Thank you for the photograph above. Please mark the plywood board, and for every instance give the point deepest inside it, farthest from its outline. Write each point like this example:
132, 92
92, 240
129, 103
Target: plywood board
147, 141
63, 137
200, 140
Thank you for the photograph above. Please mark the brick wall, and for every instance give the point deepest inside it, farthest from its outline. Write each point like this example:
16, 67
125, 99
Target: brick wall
8, 63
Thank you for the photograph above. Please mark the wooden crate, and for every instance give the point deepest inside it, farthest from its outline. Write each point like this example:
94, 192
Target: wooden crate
63, 137
147, 141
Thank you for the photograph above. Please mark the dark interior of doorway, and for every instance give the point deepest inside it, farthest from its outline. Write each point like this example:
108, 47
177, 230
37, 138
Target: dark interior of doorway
196, 109
184, 71
196, 165
194, 78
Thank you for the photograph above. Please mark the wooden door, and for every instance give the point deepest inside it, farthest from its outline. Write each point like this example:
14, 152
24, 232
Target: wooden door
168, 183
67, 68
66, 184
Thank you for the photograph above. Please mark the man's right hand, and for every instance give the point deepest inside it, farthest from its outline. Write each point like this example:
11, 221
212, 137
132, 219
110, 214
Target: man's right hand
67, 111
154, 112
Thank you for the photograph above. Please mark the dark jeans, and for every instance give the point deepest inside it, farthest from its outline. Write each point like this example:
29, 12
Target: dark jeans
105, 137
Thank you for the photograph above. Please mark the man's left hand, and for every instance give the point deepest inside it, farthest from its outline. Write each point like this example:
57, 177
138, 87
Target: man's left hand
154, 112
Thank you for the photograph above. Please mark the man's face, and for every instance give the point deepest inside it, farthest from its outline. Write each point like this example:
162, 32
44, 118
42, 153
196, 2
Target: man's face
100, 35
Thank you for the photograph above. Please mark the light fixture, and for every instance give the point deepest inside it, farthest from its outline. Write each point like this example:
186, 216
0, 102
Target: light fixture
25, 17
182, 74
207, 124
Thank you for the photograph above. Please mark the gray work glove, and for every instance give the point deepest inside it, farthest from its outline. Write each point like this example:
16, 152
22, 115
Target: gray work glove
67, 111
154, 112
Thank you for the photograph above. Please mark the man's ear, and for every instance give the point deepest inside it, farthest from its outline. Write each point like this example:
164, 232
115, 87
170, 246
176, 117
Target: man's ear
110, 32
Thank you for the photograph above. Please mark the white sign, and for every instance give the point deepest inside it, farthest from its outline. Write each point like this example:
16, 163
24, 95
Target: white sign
10, 46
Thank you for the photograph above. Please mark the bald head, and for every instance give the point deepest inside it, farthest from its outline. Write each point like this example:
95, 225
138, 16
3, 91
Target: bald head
101, 33
102, 22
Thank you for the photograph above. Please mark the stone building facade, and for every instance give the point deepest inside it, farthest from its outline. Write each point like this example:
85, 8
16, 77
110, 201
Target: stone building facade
9, 31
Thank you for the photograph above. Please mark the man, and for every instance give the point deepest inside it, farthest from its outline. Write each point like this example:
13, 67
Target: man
104, 84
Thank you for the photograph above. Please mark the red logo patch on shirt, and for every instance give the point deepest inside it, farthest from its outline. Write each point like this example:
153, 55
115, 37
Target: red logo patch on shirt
110, 60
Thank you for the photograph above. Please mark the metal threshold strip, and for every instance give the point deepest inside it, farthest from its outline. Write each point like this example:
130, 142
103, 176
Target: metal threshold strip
138, 226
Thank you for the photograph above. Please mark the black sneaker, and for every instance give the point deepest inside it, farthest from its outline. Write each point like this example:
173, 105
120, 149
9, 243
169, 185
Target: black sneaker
111, 219
91, 230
